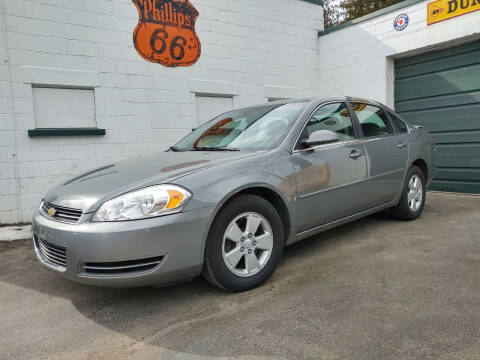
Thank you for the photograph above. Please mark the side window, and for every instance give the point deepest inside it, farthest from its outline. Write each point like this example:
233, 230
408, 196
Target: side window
373, 120
333, 117
402, 127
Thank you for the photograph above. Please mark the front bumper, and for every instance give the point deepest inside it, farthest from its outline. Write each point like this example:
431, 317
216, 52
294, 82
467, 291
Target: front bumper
176, 241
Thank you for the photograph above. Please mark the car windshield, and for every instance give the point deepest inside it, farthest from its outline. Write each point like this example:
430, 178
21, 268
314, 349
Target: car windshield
255, 128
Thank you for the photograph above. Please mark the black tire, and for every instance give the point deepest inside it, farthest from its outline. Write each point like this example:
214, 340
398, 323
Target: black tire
403, 211
215, 270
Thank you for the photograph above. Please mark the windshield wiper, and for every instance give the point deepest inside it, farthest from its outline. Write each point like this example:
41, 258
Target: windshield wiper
176, 149
207, 148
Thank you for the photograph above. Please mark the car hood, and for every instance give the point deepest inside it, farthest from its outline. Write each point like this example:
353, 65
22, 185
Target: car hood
91, 189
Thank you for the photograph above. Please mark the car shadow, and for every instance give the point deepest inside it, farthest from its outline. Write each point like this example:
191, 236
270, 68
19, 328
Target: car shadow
194, 317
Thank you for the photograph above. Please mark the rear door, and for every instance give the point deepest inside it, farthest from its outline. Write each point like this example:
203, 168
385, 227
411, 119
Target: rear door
386, 150
401, 129
331, 179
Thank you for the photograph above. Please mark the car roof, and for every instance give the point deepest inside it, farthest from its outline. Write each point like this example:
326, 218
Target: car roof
321, 100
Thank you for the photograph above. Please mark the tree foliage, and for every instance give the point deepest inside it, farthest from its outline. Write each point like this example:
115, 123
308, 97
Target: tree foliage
332, 13
340, 11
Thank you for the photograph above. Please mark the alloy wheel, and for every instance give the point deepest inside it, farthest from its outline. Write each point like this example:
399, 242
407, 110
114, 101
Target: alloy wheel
247, 244
415, 193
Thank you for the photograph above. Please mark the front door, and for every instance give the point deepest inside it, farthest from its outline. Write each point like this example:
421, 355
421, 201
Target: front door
387, 153
331, 179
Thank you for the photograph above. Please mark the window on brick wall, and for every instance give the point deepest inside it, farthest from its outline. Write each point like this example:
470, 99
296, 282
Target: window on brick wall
64, 108
209, 107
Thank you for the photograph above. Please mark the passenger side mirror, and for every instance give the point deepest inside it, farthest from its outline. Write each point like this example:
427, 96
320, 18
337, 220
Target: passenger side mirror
321, 137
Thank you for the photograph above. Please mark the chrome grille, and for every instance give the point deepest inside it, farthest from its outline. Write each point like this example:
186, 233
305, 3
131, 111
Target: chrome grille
51, 254
123, 267
61, 213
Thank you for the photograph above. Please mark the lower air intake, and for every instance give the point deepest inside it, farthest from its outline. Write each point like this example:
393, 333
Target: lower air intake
51, 254
123, 267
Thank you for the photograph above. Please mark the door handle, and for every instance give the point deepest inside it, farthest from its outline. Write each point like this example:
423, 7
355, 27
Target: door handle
401, 145
355, 154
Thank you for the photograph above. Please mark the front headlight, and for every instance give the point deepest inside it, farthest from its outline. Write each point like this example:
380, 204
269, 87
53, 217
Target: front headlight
145, 203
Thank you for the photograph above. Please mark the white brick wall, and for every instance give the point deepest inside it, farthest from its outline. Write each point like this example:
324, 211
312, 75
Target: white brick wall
357, 60
250, 49
9, 210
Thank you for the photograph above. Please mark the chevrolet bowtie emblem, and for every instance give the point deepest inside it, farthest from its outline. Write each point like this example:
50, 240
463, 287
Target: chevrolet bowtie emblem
52, 212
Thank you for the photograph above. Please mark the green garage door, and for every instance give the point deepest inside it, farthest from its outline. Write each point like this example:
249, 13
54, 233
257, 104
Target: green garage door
441, 90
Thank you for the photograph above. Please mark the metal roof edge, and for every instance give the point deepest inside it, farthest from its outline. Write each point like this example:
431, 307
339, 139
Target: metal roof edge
316, 2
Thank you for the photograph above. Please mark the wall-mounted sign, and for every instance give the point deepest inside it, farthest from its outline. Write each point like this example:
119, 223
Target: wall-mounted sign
446, 9
400, 22
165, 33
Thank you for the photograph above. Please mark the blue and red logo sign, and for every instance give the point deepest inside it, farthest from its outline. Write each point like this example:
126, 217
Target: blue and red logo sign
401, 22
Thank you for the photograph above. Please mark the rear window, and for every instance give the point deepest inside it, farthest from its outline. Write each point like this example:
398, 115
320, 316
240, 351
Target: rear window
373, 120
401, 126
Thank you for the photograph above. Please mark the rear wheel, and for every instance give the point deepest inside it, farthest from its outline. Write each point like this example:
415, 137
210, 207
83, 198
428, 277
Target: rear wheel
245, 244
412, 200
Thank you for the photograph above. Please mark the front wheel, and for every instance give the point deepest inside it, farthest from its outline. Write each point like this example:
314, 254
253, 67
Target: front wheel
412, 200
244, 245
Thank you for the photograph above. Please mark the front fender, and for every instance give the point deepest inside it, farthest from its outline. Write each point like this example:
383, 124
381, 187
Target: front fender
213, 187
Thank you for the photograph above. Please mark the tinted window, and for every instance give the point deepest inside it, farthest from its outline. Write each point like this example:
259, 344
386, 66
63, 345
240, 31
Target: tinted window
333, 117
373, 120
401, 126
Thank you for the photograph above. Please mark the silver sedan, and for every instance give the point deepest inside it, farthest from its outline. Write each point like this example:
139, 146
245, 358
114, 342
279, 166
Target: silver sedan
227, 199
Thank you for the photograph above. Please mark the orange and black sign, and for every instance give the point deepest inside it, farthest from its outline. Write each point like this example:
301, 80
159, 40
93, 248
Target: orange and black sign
165, 33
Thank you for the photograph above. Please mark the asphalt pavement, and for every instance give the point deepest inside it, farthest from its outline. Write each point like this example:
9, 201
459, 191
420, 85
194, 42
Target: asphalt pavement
374, 289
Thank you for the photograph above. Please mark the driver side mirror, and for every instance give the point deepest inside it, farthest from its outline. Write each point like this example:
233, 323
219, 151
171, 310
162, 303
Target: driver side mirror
321, 137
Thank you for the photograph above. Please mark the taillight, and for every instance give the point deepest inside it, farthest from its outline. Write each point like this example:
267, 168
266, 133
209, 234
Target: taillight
432, 139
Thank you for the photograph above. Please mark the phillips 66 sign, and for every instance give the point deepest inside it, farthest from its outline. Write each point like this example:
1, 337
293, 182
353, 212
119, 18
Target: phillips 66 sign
165, 33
